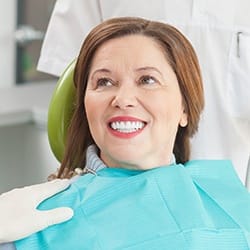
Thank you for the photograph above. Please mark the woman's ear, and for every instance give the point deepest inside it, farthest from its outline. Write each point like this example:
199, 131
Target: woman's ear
184, 119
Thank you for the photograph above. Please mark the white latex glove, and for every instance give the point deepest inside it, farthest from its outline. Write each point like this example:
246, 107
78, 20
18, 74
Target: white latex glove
19, 216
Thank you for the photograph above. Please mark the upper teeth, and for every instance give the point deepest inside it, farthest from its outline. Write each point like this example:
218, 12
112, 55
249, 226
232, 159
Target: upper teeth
127, 126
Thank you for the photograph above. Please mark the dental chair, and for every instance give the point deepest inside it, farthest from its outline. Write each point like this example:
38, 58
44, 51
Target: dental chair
60, 112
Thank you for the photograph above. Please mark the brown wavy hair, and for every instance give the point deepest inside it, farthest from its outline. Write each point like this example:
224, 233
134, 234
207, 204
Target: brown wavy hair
179, 54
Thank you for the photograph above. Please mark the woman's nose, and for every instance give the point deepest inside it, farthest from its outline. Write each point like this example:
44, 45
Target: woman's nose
125, 97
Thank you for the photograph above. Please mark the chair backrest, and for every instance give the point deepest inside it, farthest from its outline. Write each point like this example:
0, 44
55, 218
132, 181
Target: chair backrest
60, 111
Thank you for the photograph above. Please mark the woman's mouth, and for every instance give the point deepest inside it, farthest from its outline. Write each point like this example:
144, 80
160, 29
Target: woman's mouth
126, 127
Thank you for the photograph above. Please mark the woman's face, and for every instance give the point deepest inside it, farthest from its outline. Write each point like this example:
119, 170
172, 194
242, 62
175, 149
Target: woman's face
133, 103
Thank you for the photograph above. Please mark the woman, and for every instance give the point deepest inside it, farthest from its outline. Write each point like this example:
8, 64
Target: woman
139, 100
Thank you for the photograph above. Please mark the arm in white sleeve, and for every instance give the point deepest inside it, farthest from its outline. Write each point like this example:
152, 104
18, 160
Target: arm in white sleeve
69, 23
19, 216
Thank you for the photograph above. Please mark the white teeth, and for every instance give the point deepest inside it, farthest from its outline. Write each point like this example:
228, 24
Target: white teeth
127, 126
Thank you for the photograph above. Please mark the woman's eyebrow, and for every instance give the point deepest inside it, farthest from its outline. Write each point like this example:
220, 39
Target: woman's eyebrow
101, 70
147, 68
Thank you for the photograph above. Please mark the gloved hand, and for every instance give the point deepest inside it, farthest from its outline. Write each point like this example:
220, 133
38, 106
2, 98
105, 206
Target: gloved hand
19, 216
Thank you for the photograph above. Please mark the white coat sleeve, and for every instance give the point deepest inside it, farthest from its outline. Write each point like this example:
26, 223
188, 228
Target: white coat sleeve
69, 23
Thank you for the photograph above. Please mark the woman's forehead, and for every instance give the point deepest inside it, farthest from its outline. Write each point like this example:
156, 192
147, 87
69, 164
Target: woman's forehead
138, 51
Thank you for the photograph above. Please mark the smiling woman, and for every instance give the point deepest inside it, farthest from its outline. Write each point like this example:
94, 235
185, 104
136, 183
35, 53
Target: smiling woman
140, 70
139, 97
129, 83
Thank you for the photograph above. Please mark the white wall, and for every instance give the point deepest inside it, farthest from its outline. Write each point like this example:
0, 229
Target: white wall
8, 10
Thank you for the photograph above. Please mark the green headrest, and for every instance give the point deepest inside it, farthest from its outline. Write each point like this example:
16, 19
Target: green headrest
60, 111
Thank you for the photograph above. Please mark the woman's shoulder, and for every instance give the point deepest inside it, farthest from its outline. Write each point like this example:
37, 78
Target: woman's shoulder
211, 168
214, 170
219, 181
217, 176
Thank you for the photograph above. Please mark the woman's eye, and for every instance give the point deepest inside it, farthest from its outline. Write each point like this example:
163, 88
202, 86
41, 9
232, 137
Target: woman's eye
104, 82
148, 80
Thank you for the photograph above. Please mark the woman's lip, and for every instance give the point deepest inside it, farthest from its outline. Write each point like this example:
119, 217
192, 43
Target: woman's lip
125, 118
122, 135
125, 135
